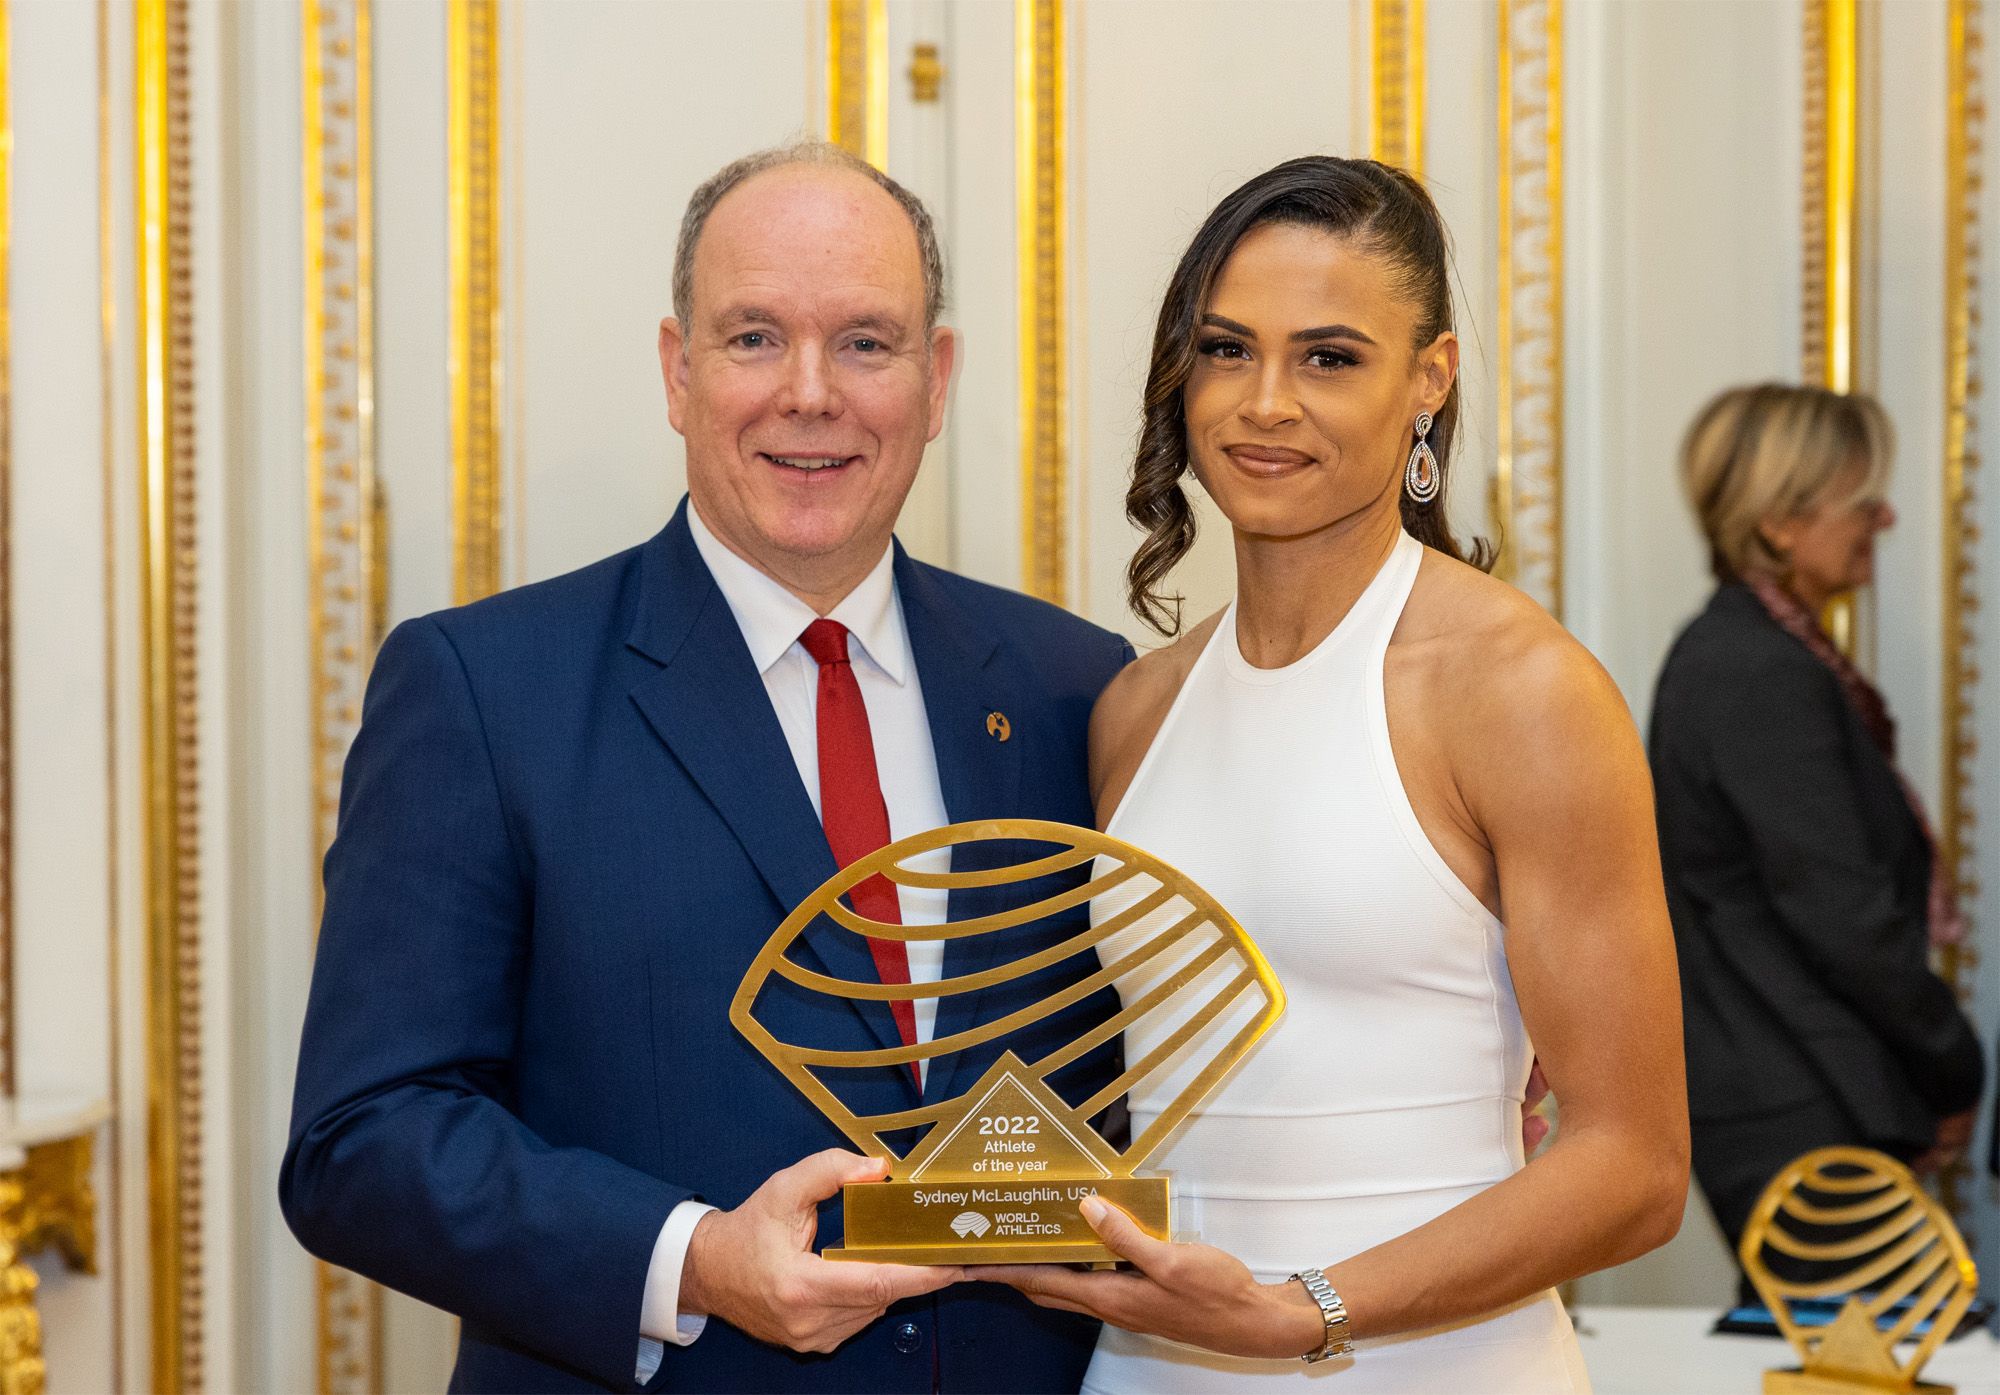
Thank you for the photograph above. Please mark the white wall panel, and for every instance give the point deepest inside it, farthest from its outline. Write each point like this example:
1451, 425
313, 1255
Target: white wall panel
984, 426
1693, 286
61, 830
412, 301
620, 110
1171, 110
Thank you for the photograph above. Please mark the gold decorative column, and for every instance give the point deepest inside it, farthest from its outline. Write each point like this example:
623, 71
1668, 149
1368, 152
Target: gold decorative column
1965, 153
1396, 124
1041, 213
342, 500
1831, 207
1831, 236
474, 153
172, 754
1965, 147
1527, 481
857, 78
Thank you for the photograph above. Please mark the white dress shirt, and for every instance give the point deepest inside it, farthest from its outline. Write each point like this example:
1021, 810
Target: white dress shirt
878, 648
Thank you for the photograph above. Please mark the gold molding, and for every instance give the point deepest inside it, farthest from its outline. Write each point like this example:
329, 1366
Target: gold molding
1965, 148
1830, 206
1965, 153
1528, 475
474, 148
1829, 263
1396, 117
172, 755
7, 1080
46, 1201
1041, 172
857, 78
22, 1369
342, 502
59, 1209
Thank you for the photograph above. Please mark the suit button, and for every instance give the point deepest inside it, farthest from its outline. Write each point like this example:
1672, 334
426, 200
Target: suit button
908, 1338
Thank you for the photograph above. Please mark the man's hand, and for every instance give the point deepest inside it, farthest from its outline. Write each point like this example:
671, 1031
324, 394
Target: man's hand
754, 1267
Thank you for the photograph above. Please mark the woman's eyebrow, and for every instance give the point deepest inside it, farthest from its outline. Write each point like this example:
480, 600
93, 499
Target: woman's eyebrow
1317, 332
1332, 332
1223, 322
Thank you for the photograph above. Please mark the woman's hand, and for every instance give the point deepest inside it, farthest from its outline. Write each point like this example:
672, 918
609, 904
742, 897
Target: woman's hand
1954, 1136
1195, 1294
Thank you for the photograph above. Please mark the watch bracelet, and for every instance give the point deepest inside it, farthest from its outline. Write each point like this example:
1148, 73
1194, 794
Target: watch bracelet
1332, 1311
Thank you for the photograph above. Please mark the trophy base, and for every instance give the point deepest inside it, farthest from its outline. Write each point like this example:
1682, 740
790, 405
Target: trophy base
990, 1222
1797, 1382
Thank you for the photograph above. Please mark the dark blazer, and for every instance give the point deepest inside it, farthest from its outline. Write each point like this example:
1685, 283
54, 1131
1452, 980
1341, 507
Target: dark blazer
1798, 882
568, 822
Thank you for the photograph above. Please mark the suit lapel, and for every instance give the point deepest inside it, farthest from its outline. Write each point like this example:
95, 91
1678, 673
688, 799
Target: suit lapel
708, 705
966, 677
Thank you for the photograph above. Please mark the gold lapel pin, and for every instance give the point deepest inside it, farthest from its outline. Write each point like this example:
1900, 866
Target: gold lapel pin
998, 727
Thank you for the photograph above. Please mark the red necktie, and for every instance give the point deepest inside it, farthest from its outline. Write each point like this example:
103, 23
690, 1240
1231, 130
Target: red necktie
851, 805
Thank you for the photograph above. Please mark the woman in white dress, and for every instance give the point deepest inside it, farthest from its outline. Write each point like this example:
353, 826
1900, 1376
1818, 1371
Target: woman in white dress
1427, 804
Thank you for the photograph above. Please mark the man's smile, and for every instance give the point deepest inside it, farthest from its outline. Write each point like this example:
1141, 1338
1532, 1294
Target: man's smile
809, 463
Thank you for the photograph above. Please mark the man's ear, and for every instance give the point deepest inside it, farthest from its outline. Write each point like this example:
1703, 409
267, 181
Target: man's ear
674, 369
944, 362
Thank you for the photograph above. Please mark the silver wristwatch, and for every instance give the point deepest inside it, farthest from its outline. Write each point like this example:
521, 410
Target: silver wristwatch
1332, 1310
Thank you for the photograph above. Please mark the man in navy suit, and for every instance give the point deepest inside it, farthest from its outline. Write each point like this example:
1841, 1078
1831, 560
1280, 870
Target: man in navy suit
576, 810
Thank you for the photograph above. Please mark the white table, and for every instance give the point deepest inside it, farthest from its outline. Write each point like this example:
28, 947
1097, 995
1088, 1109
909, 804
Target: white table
1670, 1351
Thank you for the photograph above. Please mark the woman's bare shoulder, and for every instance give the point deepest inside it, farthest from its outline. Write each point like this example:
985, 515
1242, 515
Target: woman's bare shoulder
1505, 675
1133, 705
1471, 625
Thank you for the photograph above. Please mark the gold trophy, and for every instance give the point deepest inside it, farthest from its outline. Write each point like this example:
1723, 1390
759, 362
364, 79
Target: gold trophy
998, 1175
1909, 1249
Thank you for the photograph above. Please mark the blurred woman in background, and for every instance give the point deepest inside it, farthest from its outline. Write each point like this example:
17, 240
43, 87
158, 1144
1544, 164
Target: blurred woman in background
1801, 874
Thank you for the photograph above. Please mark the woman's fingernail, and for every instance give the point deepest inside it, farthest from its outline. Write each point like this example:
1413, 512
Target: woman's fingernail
1093, 1209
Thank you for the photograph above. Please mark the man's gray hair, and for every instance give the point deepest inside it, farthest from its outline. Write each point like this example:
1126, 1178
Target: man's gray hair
807, 152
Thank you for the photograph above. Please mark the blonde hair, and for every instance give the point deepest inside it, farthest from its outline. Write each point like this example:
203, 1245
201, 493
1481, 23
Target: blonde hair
1774, 451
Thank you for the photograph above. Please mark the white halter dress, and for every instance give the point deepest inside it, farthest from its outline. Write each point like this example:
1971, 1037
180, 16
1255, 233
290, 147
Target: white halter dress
1391, 1089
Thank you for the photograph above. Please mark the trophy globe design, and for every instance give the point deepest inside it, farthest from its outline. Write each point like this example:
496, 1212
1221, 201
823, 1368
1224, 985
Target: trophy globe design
999, 1169
1837, 1205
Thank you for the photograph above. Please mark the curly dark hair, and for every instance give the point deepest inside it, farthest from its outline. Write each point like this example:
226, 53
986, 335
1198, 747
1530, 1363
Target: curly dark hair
1385, 212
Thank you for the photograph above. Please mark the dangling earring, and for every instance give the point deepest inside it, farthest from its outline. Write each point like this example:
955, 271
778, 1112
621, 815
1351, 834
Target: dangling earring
1421, 477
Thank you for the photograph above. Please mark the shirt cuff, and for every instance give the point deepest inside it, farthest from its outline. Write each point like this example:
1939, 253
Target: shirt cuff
660, 1317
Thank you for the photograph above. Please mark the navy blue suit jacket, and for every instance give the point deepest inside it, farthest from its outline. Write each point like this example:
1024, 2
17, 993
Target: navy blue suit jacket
568, 822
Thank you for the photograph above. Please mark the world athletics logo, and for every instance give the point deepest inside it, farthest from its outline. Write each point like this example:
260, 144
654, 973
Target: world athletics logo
970, 1223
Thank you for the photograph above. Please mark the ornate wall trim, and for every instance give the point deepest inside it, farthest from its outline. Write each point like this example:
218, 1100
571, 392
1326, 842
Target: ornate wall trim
1831, 208
474, 152
1040, 184
172, 753
1965, 150
1527, 481
1829, 262
857, 78
7, 1080
1396, 120
342, 502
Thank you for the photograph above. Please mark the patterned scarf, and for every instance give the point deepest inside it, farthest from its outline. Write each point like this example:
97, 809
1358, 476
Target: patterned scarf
1947, 926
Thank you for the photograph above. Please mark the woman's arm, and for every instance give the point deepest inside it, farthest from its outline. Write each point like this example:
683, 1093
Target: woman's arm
1551, 774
